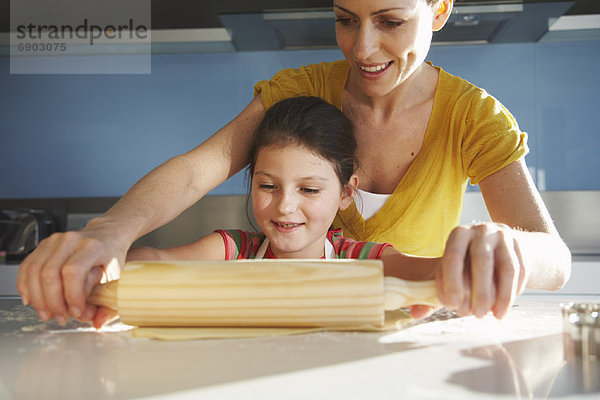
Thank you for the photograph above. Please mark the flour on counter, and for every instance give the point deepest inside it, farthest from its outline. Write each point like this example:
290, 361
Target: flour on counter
73, 326
20, 319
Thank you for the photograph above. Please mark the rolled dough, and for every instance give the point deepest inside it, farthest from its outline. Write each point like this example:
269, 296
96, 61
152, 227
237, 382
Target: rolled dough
394, 320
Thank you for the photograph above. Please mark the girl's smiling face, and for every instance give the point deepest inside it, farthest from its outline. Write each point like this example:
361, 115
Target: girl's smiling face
295, 197
384, 41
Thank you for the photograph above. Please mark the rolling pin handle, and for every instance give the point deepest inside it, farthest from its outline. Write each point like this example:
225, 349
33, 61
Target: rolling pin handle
105, 295
400, 293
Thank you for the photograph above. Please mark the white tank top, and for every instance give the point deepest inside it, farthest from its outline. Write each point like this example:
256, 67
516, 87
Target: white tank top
329, 250
368, 203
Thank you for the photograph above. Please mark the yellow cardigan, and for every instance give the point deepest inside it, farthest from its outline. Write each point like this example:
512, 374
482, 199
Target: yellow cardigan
470, 136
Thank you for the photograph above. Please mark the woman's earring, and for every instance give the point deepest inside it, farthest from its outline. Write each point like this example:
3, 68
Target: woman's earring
441, 9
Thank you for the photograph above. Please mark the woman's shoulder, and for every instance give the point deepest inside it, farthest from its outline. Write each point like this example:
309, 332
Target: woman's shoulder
488, 135
322, 69
453, 86
457, 95
325, 80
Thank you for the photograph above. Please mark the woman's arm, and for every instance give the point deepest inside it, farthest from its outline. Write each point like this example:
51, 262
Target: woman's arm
485, 266
512, 199
181, 181
57, 277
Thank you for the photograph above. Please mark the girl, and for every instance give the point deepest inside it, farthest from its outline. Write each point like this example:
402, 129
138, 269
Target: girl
302, 172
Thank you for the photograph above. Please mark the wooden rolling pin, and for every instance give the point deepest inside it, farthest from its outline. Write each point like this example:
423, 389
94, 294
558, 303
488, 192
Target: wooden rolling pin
282, 293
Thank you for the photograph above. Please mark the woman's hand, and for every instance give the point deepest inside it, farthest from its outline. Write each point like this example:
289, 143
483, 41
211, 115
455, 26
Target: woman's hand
58, 276
481, 270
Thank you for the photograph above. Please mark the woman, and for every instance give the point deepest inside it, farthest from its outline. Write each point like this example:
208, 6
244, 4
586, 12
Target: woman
391, 96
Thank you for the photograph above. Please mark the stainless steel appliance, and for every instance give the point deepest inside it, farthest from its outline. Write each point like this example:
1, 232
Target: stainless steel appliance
22, 229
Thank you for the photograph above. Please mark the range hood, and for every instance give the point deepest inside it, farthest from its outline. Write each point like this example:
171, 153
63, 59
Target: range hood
501, 23
484, 22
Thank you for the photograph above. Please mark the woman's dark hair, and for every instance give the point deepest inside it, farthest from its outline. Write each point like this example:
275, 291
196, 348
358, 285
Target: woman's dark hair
313, 123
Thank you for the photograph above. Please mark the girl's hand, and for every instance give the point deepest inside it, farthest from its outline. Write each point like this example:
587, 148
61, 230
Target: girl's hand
58, 276
420, 311
481, 270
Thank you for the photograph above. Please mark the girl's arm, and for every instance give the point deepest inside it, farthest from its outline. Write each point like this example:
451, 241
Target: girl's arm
210, 247
57, 277
407, 267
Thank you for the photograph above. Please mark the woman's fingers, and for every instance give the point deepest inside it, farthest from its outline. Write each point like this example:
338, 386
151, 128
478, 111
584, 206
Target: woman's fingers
508, 275
36, 295
481, 257
91, 313
58, 276
464, 307
52, 284
450, 281
88, 313
37, 280
81, 266
481, 270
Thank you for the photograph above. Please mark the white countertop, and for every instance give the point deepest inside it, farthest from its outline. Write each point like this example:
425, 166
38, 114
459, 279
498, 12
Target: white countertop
448, 358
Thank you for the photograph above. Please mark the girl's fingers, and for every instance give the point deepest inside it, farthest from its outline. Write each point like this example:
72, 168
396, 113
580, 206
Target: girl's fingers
103, 316
419, 311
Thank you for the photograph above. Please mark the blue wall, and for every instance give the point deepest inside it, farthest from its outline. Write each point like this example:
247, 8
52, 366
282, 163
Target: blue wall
96, 135
552, 89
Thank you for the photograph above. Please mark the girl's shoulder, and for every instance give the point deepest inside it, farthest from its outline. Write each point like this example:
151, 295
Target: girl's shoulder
240, 244
354, 249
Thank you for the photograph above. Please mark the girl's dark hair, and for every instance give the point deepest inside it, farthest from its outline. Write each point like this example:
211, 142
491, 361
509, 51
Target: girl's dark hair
313, 123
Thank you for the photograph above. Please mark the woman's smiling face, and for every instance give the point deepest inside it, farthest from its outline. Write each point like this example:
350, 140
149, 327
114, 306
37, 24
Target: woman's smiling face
384, 41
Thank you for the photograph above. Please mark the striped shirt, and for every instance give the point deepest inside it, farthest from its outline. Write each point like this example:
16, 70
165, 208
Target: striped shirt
241, 245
